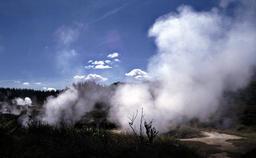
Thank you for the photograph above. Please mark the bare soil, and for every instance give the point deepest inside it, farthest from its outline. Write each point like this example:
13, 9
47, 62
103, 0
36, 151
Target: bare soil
220, 141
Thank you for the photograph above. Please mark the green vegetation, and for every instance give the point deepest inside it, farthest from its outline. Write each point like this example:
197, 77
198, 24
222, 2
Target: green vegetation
92, 136
40, 140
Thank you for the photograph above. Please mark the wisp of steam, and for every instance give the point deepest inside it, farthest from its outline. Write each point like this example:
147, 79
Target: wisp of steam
199, 56
71, 105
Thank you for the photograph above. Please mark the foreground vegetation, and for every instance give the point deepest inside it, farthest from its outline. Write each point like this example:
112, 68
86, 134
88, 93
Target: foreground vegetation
85, 140
38, 140
92, 136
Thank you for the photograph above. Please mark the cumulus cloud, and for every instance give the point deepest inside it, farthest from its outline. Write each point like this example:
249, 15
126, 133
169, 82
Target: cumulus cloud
117, 60
89, 67
98, 64
95, 77
137, 74
103, 64
49, 89
26, 83
102, 67
79, 77
89, 77
107, 61
113, 55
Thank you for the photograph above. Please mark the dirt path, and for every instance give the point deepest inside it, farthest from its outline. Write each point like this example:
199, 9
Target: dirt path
218, 139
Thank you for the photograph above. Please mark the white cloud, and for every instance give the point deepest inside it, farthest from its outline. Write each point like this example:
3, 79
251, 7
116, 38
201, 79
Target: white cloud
89, 77
95, 77
108, 61
102, 67
38, 83
117, 60
98, 64
79, 77
26, 83
49, 89
137, 74
113, 55
103, 64
89, 67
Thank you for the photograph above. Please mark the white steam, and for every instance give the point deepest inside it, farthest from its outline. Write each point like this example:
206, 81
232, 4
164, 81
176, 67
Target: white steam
71, 105
23, 102
200, 55
16, 107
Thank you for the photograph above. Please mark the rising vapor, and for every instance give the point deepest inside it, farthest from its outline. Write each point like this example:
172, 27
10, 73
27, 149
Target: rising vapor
200, 55
71, 105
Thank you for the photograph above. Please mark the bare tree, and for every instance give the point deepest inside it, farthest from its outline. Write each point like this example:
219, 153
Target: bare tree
141, 126
150, 131
131, 123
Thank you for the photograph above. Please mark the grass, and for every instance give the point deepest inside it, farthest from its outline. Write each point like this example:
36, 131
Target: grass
40, 140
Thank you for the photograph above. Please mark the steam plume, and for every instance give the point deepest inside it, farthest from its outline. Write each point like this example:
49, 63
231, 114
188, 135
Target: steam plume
71, 105
200, 55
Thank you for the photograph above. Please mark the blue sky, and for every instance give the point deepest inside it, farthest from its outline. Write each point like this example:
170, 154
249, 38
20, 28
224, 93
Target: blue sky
49, 43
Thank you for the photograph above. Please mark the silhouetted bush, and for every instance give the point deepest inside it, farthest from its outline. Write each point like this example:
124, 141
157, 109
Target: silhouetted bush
41, 140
